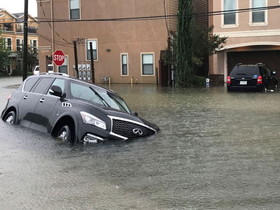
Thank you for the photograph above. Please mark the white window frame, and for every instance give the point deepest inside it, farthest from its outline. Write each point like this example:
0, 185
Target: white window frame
265, 23
141, 59
20, 44
236, 17
66, 63
8, 47
87, 41
69, 9
127, 64
33, 45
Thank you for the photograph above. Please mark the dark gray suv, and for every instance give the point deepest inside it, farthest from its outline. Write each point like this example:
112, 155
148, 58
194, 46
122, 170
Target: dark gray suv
252, 77
73, 110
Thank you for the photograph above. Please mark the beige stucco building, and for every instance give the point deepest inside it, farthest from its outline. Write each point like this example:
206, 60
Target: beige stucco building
127, 37
253, 34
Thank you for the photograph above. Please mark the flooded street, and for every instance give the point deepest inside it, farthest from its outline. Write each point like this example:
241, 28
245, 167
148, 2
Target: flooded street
215, 150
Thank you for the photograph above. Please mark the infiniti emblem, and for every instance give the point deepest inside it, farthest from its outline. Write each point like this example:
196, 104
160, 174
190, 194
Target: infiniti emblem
137, 131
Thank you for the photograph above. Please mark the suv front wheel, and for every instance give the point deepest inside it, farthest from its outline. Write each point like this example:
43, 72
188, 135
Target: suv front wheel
65, 134
10, 118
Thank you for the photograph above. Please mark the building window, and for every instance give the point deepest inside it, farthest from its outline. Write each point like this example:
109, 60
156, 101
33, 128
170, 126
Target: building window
147, 64
124, 64
94, 48
229, 17
8, 43
19, 45
64, 67
74, 9
34, 45
258, 16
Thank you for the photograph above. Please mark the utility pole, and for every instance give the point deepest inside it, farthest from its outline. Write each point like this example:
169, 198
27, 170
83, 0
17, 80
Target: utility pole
76, 58
92, 62
25, 40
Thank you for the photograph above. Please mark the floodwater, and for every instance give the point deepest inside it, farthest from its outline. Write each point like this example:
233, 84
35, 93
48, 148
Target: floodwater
215, 150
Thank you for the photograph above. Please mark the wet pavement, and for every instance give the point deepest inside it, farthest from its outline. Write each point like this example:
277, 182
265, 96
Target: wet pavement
215, 150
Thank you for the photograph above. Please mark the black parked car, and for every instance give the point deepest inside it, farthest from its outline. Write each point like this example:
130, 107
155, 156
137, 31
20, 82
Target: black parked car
73, 110
252, 77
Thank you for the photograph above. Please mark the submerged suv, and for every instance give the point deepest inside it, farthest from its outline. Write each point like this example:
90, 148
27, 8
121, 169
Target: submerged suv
252, 77
73, 110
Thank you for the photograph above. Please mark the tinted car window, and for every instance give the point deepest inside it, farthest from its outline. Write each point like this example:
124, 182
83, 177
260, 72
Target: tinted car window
29, 84
60, 83
43, 85
114, 101
84, 92
245, 70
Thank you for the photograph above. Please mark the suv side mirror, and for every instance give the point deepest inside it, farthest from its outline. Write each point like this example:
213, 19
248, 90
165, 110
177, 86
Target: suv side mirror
56, 91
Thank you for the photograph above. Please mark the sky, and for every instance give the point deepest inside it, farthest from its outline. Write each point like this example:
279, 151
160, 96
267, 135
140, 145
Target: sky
17, 6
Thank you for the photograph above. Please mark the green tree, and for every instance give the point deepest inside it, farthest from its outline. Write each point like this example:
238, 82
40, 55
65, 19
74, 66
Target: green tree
32, 56
192, 46
205, 43
4, 56
184, 44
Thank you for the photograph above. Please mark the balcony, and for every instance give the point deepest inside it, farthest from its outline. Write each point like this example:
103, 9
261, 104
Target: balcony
30, 30
7, 27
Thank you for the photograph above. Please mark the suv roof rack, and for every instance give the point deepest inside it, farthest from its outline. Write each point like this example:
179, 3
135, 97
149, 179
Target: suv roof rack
54, 73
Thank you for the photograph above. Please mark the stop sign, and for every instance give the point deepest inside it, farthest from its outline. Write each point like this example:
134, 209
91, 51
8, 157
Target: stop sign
58, 57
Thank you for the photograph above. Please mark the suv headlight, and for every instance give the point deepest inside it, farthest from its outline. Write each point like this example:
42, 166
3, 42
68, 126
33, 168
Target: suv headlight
92, 120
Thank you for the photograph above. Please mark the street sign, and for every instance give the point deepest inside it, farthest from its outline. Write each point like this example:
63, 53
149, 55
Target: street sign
58, 57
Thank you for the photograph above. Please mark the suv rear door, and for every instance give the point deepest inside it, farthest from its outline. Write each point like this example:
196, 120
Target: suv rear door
48, 105
31, 100
27, 102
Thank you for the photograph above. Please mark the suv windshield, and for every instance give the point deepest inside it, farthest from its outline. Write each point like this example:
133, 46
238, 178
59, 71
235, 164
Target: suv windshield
114, 101
245, 71
99, 96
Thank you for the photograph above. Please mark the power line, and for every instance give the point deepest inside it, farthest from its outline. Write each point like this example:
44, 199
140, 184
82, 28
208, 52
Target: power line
49, 23
165, 14
144, 18
158, 17
56, 42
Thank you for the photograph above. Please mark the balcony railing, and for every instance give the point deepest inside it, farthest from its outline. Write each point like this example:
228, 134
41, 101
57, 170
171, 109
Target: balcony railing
30, 30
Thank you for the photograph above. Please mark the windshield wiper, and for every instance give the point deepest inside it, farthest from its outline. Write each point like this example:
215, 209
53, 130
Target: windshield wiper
100, 97
116, 100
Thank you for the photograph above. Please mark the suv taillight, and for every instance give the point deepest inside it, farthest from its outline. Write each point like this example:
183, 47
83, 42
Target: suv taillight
260, 80
228, 80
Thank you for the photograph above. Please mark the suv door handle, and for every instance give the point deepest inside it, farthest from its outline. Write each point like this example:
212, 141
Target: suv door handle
25, 97
42, 100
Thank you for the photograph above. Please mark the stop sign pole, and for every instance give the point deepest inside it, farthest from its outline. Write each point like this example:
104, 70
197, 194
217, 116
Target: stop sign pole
58, 57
